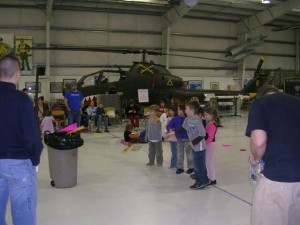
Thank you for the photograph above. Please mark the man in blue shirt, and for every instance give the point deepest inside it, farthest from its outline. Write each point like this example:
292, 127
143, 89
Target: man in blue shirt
74, 103
20, 147
273, 128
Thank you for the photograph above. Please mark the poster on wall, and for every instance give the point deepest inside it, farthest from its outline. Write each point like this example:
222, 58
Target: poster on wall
24, 53
143, 95
6, 44
195, 84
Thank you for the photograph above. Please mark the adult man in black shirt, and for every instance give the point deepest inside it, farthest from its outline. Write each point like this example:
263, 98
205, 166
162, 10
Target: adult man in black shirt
20, 147
273, 128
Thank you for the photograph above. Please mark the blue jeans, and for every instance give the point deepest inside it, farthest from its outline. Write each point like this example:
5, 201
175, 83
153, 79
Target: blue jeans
173, 145
183, 146
18, 182
102, 120
74, 117
200, 166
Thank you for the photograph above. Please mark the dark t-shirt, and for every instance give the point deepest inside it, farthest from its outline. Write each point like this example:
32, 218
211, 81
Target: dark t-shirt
279, 116
126, 135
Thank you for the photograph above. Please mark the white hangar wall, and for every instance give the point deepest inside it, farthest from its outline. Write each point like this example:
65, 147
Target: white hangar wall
210, 39
188, 36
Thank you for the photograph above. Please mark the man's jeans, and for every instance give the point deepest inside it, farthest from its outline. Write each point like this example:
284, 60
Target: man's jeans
18, 182
74, 117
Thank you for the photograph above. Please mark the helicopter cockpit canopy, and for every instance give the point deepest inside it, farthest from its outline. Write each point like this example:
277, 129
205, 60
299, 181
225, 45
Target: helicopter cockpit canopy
99, 77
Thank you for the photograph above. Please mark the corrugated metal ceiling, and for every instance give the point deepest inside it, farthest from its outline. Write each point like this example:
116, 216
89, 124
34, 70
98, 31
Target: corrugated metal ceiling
218, 10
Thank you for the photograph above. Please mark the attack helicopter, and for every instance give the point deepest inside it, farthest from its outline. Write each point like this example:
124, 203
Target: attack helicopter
155, 78
159, 82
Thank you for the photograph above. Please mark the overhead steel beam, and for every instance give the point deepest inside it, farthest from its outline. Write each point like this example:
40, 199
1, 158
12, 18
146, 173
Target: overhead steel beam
297, 63
177, 12
262, 18
48, 25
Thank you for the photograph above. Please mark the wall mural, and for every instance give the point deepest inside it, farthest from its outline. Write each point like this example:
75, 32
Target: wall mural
24, 53
6, 44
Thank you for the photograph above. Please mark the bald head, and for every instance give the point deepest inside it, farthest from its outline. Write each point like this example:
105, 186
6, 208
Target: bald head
266, 89
9, 68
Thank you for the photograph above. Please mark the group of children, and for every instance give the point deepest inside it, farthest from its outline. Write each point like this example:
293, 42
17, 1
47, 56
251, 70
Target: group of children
189, 129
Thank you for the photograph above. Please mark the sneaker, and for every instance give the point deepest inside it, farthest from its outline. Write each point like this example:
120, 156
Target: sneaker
194, 185
149, 164
179, 171
193, 176
106, 130
98, 131
172, 168
212, 182
189, 171
199, 186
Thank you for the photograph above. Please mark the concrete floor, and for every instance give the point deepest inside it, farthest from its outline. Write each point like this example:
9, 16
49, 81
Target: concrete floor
116, 188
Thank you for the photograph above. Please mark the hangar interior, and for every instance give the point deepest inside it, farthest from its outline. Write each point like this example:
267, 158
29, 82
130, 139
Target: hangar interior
115, 187
206, 29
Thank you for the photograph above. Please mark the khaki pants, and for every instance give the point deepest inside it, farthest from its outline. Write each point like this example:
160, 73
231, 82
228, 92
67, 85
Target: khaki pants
155, 149
276, 203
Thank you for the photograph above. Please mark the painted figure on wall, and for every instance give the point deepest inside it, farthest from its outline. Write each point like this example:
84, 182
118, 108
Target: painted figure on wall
5, 49
23, 50
23, 45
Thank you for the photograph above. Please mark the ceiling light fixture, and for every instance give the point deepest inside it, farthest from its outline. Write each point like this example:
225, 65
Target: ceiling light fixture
159, 2
265, 1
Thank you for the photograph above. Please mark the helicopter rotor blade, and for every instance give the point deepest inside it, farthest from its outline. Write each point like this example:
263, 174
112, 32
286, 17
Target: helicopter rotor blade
125, 51
89, 49
189, 56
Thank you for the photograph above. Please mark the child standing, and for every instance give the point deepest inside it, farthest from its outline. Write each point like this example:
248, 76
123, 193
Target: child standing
47, 122
182, 142
154, 136
172, 139
196, 133
212, 119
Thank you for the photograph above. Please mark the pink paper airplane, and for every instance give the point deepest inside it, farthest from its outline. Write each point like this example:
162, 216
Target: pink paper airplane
225, 145
69, 128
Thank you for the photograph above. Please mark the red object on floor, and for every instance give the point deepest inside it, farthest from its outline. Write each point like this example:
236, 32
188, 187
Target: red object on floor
124, 142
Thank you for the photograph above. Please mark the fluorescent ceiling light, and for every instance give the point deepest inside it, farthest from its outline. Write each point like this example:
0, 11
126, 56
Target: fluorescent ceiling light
161, 2
266, 1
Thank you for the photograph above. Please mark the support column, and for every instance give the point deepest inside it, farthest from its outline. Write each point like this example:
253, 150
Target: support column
166, 33
297, 63
48, 24
242, 38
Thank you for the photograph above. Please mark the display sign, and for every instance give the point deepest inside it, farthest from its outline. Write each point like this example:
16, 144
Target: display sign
143, 95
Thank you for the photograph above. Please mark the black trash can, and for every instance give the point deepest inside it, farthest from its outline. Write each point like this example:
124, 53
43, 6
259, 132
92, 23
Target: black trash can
63, 158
